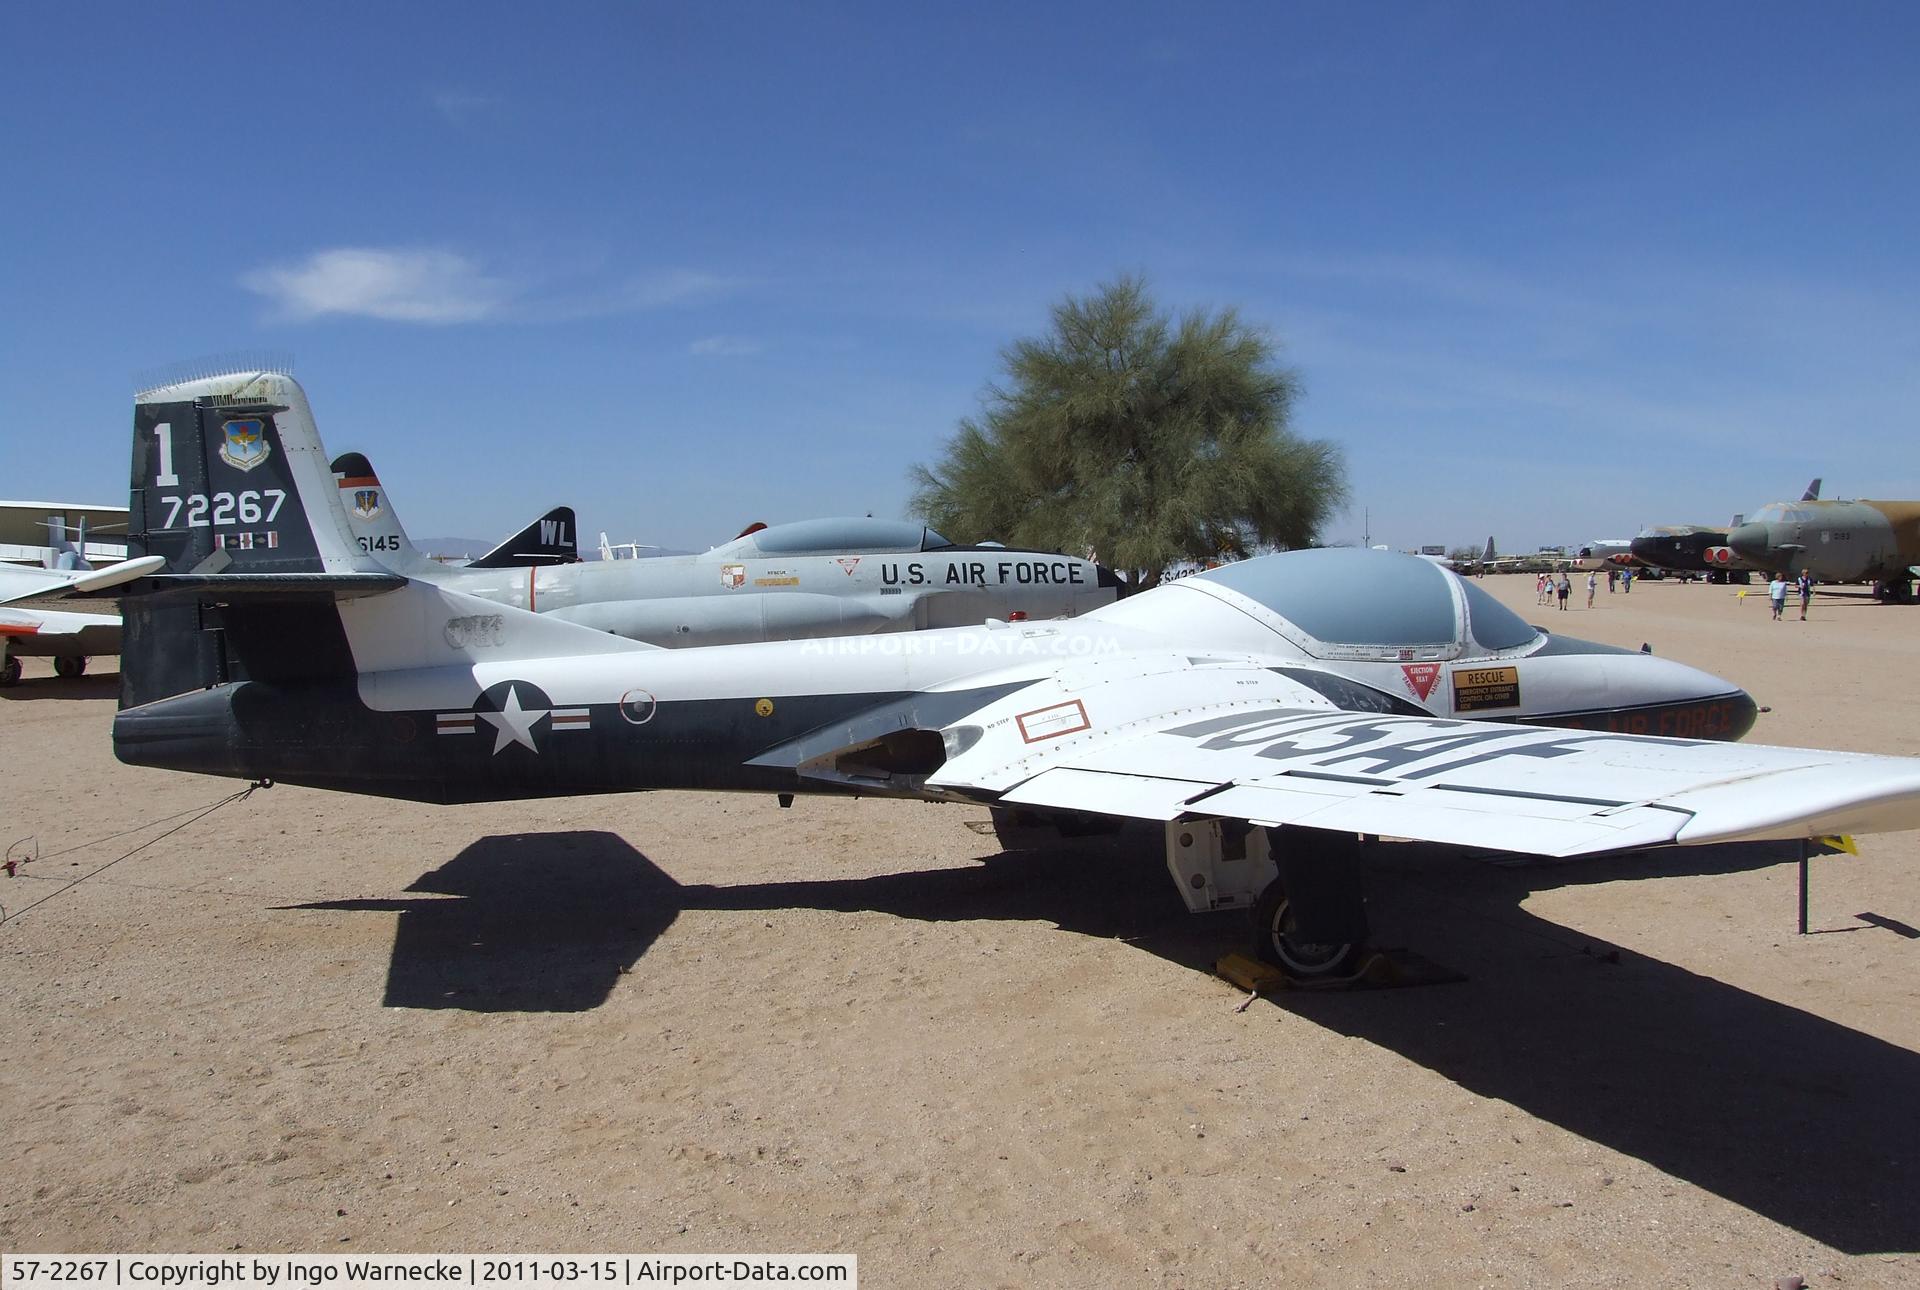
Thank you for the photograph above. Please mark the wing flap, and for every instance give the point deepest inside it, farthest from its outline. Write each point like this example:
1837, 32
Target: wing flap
1511, 822
1140, 797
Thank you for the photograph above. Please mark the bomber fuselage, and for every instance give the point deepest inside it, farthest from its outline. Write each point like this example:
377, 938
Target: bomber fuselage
1834, 541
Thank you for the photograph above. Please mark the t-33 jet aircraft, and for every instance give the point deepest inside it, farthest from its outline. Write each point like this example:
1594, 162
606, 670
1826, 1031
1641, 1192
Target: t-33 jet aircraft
1266, 713
827, 577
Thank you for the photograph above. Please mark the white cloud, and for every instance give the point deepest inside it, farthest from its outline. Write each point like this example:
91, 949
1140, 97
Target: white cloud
422, 286
724, 347
461, 107
427, 285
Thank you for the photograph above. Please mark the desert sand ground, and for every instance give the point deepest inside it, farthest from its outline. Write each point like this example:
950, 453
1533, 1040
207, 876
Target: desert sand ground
692, 1023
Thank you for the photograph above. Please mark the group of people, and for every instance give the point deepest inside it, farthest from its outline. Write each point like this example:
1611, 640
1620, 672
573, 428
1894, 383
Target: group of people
1777, 593
1547, 587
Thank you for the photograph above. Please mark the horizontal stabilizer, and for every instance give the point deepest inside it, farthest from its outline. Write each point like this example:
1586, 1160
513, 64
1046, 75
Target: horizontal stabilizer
237, 586
31, 584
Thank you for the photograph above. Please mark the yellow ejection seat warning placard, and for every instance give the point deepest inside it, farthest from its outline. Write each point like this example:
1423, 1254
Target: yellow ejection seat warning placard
1477, 688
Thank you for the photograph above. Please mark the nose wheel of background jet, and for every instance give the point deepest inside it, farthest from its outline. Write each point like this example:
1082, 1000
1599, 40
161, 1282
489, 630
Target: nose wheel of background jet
68, 666
1274, 942
10, 671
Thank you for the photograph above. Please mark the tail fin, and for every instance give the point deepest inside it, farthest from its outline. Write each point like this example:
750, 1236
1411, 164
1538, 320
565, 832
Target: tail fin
231, 490
548, 540
1813, 491
229, 476
65, 551
372, 519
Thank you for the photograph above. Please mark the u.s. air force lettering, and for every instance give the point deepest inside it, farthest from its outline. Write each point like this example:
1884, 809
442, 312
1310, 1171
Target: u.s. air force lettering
981, 573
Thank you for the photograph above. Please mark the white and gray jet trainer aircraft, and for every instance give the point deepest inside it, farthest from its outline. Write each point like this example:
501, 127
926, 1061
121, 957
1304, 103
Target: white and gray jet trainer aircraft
825, 577
1265, 713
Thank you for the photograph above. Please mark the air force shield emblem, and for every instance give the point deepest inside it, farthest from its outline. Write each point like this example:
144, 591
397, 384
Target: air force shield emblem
245, 443
366, 502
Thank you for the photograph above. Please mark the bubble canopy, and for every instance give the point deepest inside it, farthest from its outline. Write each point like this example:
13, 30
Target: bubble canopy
1375, 600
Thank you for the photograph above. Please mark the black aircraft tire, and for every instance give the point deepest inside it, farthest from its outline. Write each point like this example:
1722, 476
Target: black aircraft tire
1303, 962
10, 674
69, 665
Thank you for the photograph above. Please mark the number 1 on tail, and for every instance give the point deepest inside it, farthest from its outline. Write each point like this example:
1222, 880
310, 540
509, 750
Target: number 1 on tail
166, 478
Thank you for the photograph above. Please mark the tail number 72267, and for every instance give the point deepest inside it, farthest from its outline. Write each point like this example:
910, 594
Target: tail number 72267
214, 510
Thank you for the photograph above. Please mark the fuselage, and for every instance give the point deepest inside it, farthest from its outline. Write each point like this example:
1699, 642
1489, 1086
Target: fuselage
844, 576
1690, 548
860, 714
1834, 541
734, 597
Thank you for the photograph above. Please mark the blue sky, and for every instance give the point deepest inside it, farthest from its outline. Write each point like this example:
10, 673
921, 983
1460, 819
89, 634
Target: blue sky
1548, 271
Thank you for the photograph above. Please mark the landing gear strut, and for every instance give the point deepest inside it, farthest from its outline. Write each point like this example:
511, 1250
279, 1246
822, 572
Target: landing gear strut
1303, 886
1311, 920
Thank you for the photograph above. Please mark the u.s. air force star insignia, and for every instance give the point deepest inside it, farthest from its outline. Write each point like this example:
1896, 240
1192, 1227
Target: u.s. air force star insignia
514, 710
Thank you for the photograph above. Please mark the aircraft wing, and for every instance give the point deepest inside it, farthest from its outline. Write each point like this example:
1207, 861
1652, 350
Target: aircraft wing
27, 584
1225, 742
59, 631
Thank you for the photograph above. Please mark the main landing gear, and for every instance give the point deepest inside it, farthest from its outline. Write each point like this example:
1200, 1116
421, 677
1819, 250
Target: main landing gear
1303, 885
69, 666
9, 671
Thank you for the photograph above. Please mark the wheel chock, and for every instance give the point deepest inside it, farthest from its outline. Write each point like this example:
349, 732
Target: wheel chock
1250, 973
1379, 970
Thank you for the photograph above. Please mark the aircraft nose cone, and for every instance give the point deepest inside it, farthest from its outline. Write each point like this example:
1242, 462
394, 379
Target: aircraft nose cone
1691, 703
1741, 712
1750, 542
1649, 695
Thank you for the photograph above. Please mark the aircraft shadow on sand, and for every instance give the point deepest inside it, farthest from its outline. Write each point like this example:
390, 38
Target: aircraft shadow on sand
1800, 1119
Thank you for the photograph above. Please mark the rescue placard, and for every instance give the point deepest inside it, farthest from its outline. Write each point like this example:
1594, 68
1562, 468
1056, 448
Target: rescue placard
1477, 688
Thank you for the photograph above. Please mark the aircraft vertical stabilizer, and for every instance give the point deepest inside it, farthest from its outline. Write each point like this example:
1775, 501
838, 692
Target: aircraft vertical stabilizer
549, 540
231, 491
371, 516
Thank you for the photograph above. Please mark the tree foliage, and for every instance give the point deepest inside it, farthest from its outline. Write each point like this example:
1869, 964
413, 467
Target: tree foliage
1142, 439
